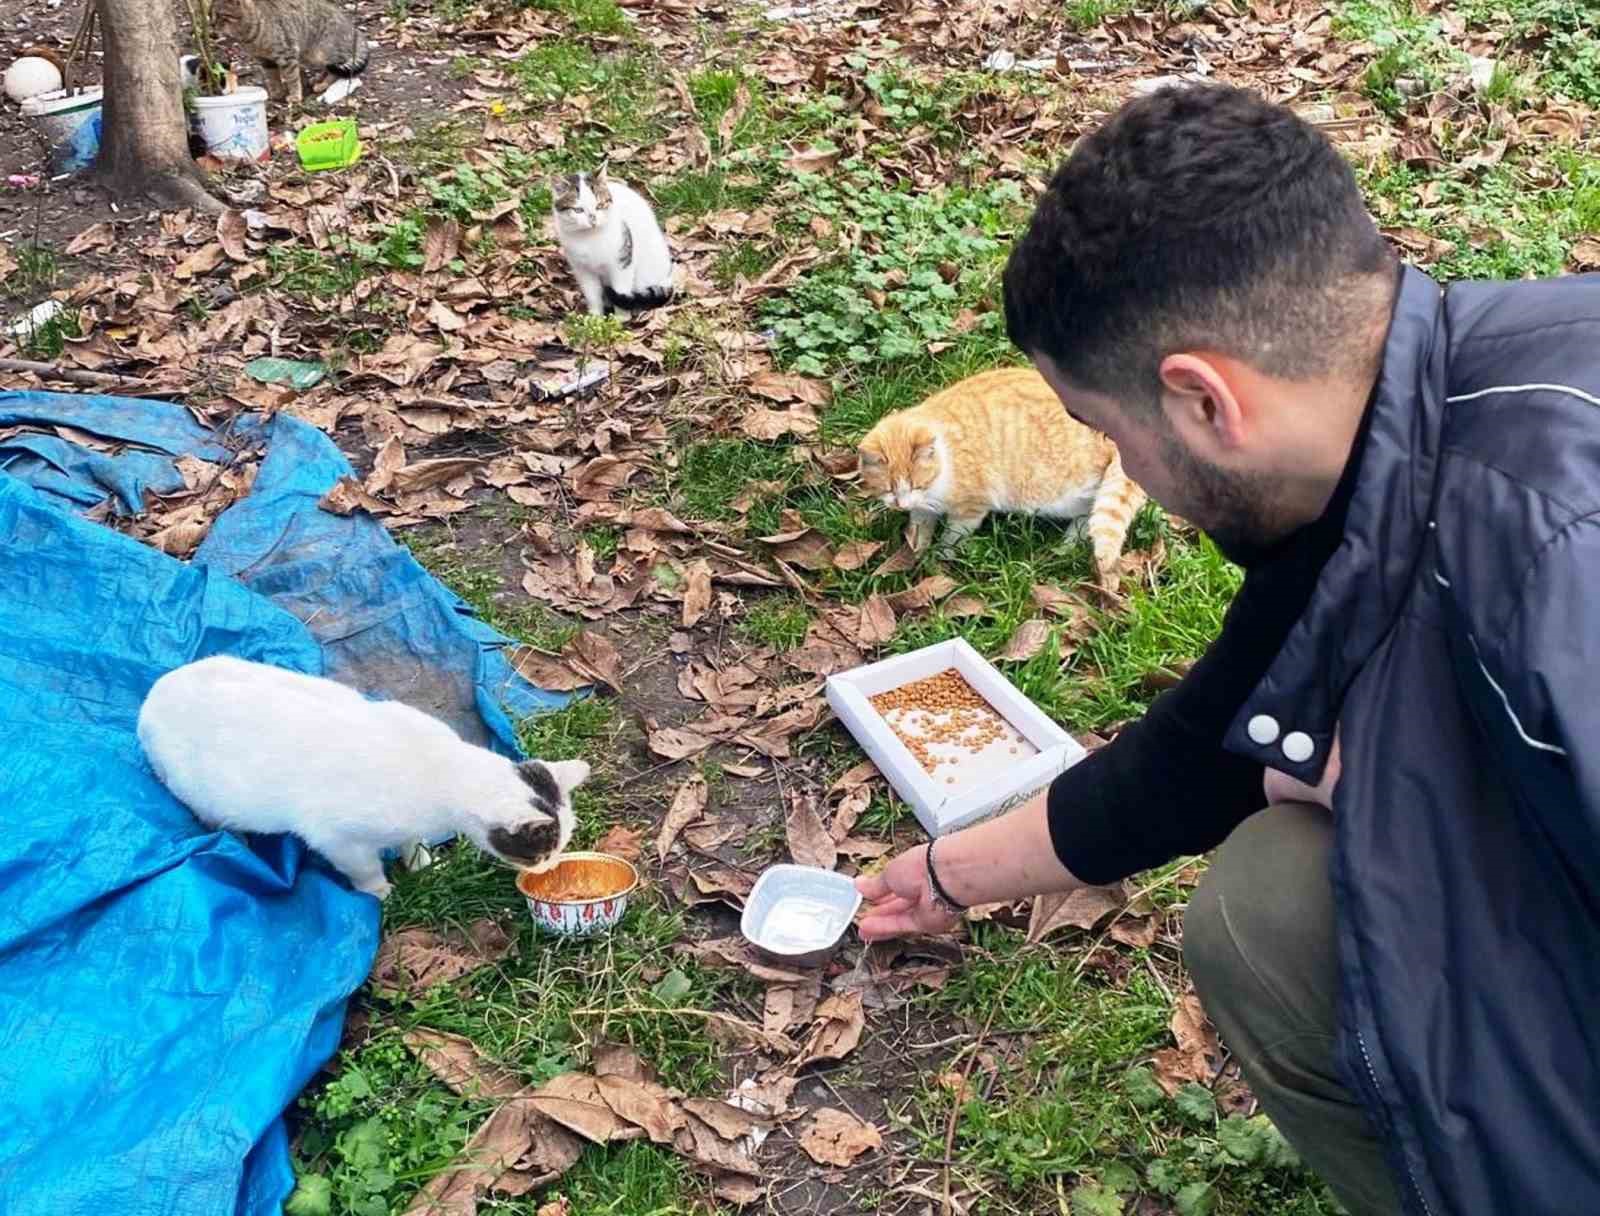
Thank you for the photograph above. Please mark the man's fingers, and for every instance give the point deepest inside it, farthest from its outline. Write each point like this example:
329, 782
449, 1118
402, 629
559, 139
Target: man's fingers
873, 887
881, 926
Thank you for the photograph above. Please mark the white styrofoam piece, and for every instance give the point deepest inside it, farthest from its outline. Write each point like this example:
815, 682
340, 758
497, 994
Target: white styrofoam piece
989, 783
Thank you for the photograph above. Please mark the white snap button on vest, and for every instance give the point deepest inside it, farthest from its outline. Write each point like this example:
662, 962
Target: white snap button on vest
1297, 746
1262, 729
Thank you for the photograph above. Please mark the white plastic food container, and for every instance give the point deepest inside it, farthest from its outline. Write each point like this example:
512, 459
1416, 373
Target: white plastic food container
796, 915
234, 125
984, 785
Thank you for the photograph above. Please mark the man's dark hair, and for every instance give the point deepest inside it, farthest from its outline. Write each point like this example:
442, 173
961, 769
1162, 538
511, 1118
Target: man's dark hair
1199, 218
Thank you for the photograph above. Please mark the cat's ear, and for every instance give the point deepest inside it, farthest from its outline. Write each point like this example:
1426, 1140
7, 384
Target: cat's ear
869, 457
600, 175
569, 774
925, 452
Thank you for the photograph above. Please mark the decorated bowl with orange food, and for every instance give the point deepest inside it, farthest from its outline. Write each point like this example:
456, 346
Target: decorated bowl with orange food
582, 894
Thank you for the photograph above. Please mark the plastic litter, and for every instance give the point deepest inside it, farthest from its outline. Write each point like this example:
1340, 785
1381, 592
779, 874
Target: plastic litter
35, 319
328, 145
292, 372
595, 372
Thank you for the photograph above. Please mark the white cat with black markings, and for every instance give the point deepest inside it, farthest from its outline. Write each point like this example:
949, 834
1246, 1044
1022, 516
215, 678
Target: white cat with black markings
612, 242
254, 748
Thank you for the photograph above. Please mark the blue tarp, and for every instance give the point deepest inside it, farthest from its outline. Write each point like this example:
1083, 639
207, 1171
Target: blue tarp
166, 991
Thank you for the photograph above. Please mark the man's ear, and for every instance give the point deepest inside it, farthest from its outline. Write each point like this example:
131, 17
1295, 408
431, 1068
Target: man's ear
1201, 405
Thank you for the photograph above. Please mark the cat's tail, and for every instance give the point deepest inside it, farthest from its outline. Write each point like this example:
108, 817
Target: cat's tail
638, 301
356, 62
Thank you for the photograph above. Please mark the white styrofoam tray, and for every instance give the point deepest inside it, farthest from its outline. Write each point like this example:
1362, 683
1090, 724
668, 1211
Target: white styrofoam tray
988, 784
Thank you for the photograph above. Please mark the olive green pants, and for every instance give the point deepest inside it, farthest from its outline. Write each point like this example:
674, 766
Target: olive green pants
1258, 940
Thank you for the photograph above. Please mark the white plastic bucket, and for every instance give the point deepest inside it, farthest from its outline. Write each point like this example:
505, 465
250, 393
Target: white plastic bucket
234, 125
70, 124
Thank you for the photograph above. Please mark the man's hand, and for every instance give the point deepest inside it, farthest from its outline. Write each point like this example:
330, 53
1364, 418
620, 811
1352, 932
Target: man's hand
1280, 787
900, 901
1002, 859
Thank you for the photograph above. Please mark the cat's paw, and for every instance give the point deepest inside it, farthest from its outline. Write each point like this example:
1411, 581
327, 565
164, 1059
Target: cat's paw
380, 888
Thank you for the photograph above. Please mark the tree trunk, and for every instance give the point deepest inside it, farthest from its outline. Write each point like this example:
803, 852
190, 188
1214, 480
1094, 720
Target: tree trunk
144, 142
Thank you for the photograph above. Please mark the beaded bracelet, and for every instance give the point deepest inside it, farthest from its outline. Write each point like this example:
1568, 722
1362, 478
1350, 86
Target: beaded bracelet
941, 897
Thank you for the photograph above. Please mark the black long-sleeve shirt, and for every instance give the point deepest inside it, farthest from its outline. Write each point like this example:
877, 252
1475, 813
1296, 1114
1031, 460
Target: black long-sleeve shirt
1164, 787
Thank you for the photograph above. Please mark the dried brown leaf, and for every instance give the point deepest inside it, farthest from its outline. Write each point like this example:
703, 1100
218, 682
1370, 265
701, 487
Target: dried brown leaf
924, 594
688, 804
593, 655
856, 553
678, 742
202, 261
836, 1137
808, 549
784, 386
812, 160
848, 811
1027, 641
440, 245
838, 1025
700, 1143
574, 1100
231, 233
727, 1121
621, 842
457, 1062
1081, 908
95, 237
762, 423
642, 1103
414, 960
1136, 931
545, 670
425, 474
903, 559
697, 595
876, 622
809, 842
620, 1060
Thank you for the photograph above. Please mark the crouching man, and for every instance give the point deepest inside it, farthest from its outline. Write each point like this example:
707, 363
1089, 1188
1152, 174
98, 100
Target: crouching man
1396, 738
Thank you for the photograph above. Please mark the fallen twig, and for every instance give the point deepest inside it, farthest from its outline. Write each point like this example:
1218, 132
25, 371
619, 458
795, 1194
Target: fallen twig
72, 375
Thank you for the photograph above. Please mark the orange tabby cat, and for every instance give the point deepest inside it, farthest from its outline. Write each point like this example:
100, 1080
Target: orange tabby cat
1000, 441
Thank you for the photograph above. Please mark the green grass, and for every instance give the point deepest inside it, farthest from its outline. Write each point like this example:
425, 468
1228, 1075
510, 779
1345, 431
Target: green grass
1564, 37
47, 341
310, 274
713, 472
623, 85
922, 259
777, 621
35, 276
1078, 1103
374, 1134
482, 586
746, 259
603, 18
1512, 221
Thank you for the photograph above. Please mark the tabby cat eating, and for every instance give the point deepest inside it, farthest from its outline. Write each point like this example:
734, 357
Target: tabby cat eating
1000, 441
295, 39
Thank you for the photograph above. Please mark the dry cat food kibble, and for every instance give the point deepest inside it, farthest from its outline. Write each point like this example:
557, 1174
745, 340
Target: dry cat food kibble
945, 711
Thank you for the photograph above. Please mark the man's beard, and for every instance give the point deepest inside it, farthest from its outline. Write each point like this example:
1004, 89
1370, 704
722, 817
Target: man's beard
1235, 510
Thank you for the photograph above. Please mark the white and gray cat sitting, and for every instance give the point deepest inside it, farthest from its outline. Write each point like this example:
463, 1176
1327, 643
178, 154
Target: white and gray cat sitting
254, 748
612, 242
